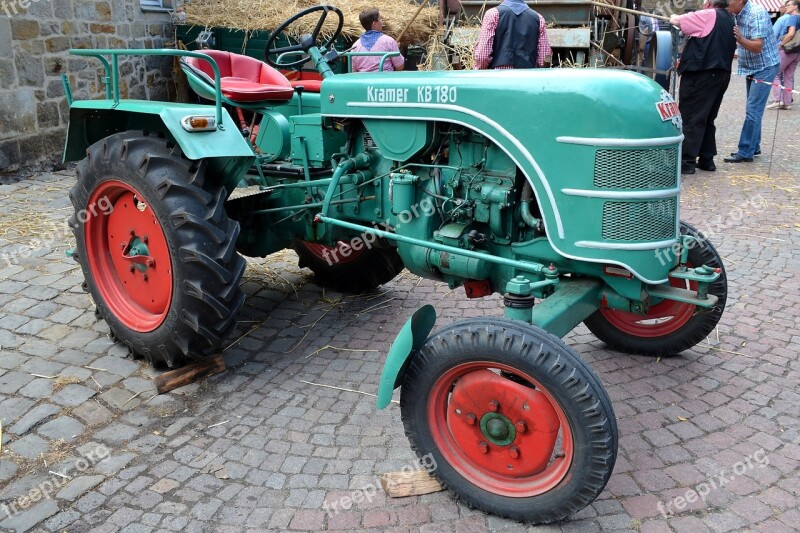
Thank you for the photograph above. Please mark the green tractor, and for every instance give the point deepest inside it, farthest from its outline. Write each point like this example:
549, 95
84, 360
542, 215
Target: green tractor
557, 188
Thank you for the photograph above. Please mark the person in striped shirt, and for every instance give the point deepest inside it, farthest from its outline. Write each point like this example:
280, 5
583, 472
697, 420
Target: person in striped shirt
512, 36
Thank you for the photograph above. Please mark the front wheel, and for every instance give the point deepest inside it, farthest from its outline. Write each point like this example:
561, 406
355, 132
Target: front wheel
510, 419
669, 327
156, 248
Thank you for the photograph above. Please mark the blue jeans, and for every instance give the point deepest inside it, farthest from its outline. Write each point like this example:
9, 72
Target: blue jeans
757, 96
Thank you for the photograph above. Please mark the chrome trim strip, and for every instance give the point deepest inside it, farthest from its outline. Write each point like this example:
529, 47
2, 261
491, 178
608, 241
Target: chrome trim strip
623, 246
620, 143
623, 195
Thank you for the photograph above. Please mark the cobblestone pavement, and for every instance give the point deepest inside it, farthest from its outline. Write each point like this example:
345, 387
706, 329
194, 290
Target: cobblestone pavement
260, 448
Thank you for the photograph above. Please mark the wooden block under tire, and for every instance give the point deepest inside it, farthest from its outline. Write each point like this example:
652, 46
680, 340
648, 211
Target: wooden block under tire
414, 483
189, 374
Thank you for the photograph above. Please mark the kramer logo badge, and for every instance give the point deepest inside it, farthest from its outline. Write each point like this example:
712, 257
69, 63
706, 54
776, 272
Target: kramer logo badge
668, 110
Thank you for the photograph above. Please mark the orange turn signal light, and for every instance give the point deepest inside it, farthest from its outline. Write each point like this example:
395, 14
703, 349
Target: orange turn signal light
199, 123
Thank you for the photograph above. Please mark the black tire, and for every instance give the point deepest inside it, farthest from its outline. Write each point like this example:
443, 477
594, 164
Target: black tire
194, 280
522, 353
660, 58
644, 340
629, 29
361, 271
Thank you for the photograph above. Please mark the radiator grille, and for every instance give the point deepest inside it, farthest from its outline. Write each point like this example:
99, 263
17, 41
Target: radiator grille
636, 169
640, 221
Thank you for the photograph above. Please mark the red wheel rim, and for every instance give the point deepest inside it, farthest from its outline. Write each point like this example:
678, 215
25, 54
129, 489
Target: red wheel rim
128, 255
520, 461
333, 254
667, 316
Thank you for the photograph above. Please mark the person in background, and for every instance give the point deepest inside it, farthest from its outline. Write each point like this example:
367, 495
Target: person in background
374, 40
512, 36
648, 26
784, 29
705, 70
757, 51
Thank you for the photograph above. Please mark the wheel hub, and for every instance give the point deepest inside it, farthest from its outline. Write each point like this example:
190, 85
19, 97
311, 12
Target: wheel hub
498, 429
129, 256
137, 253
518, 426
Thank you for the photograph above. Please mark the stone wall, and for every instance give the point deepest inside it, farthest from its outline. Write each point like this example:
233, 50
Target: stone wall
35, 36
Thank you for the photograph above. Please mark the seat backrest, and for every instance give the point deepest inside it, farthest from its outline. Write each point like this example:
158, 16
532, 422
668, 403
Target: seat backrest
238, 66
245, 67
222, 58
242, 78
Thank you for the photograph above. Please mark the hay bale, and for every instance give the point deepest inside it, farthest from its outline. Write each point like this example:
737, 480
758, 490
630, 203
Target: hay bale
458, 52
267, 15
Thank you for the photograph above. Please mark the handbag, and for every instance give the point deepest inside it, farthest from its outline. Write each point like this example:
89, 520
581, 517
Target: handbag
793, 46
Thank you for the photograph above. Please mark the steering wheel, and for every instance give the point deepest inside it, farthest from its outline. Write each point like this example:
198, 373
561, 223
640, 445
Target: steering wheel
307, 41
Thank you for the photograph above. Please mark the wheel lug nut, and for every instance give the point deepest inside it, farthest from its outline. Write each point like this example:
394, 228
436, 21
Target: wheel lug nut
150, 263
131, 232
470, 418
521, 427
483, 447
144, 276
513, 452
131, 268
494, 406
145, 239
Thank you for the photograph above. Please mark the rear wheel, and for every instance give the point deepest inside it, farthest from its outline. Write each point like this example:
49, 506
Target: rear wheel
512, 421
629, 51
156, 248
669, 327
660, 59
344, 268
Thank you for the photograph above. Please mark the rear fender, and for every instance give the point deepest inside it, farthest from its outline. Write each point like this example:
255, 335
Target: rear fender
93, 120
408, 341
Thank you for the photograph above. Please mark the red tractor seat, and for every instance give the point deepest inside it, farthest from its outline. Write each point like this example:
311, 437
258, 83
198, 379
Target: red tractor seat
311, 81
242, 78
311, 86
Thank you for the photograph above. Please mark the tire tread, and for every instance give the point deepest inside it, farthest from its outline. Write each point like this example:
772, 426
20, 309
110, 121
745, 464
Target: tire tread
203, 245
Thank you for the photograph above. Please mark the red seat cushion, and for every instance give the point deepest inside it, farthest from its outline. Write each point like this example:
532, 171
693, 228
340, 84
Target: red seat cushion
311, 81
311, 86
243, 78
243, 90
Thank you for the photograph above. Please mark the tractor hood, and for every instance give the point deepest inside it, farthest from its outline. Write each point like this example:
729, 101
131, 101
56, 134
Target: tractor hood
529, 104
596, 144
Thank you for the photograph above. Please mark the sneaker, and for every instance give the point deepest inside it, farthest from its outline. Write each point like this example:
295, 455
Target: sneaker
775, 105
786, 107
736, 158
